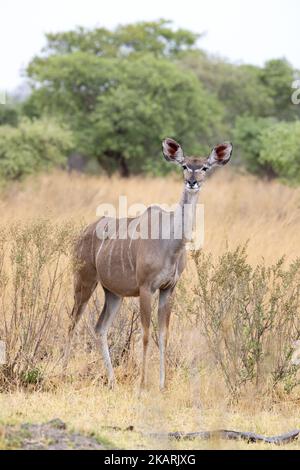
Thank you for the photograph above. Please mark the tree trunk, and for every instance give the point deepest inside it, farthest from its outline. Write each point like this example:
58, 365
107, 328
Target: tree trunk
124, 170
120, 161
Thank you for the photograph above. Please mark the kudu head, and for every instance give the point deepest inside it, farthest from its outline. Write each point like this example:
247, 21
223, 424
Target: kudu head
195, 169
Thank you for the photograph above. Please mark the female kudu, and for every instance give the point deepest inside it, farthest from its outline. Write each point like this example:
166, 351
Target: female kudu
132, 266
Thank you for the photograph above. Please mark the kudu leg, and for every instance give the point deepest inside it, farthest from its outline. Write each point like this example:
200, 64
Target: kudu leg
82, 293
111, 307
145, 308
164, 312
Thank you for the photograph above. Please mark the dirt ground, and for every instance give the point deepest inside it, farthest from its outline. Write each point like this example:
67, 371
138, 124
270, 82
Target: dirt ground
48, 436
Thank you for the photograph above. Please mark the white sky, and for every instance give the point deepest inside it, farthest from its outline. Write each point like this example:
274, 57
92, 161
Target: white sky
242, 30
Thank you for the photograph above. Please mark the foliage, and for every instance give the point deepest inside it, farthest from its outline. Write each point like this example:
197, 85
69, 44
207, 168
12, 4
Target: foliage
278, 76
33, 276
128, 122
248, 136
120, 110
238, 87
281, 150
156, 37
249, 317
122, 90
269, 148
9, 114
246, 89
32, 146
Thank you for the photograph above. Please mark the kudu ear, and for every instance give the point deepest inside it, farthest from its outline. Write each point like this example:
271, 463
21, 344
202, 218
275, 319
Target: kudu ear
220, 154
172, 151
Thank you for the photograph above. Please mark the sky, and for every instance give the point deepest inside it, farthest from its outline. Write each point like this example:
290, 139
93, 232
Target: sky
243, 31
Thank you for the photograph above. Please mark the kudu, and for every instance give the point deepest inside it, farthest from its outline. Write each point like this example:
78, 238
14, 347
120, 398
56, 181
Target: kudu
135, 266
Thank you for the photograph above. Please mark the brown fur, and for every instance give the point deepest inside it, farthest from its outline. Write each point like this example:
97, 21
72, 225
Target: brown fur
136, 267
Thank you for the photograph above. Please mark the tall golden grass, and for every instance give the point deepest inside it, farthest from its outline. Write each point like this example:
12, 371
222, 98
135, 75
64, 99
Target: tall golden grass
237, 207
240, 210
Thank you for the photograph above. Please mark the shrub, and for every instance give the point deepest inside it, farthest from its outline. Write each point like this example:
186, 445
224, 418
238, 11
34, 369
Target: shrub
32, 146
240, 319
280, 149
34, 271
248, 137
9, 114
268, 147
249, 317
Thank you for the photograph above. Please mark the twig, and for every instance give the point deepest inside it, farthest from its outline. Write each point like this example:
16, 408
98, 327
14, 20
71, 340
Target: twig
250, 437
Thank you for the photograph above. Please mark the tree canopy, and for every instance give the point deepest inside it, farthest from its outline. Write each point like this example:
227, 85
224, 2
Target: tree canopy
120, 109
155, 37
121, 91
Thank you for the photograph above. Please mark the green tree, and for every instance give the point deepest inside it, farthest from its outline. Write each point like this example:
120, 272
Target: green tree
268, 147
246, 89
281, 150
238, 87
119, 110
32, 146
156, 37
248, 137
278, 76
121, 91
155, 100
9, 114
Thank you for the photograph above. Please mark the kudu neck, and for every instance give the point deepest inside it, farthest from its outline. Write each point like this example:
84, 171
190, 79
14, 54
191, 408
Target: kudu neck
186, 214
188, 198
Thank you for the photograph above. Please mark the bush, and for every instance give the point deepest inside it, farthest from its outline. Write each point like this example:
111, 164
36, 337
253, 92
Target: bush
9, 114
36, 296
34, 275
248, 137
268, 147
280, 150
32, 146
249, 317
245, 317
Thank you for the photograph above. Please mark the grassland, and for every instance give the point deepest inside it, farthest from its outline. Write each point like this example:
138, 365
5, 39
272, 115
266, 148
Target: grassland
238, 209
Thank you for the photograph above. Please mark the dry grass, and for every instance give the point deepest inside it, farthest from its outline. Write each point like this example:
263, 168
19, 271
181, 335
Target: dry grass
238, 209
185, 407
